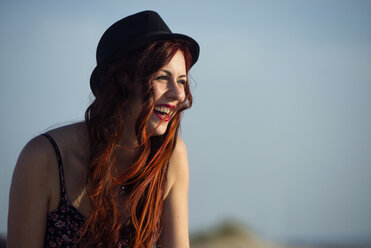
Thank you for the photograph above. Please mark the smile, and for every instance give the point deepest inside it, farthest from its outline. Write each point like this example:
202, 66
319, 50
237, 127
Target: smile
162, 111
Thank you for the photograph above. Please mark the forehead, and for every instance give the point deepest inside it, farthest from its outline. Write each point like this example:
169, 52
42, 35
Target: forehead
176, 64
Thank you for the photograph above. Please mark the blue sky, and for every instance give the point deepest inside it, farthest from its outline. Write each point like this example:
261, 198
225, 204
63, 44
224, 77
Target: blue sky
278, 136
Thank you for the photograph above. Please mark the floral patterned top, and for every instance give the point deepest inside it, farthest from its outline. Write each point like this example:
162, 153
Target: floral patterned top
64, 221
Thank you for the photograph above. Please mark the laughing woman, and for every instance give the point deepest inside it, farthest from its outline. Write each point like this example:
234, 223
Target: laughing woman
120, 178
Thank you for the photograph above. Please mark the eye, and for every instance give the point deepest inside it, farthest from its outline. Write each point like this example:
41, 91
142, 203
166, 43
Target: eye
162, 77
182, 82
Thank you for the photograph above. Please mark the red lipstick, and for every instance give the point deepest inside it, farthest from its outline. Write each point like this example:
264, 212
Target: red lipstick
166, 105
162, 116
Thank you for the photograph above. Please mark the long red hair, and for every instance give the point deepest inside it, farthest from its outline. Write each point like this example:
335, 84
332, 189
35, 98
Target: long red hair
145, 179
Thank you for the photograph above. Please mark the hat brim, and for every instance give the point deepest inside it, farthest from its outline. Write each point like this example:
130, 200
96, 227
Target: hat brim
194, 49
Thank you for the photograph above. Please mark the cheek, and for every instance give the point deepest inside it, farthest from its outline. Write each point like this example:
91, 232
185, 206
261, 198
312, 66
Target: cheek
157, 91
183, 95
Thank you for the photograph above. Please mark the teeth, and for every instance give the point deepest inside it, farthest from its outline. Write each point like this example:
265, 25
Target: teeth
162, 109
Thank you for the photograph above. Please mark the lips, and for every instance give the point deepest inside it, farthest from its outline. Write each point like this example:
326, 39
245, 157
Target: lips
163, 111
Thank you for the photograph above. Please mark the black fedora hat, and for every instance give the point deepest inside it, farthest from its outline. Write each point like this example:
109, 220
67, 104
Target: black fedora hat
133, 32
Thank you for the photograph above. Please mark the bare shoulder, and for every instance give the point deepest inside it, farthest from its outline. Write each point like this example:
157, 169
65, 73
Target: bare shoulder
178, 171
175, 208
178, 160
37, 166
34, 168
30, 193
180, 150
34, 160
70, 134
72, 141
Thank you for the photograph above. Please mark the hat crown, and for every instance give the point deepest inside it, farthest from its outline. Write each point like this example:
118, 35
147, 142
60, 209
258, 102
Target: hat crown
129, 30
131, 33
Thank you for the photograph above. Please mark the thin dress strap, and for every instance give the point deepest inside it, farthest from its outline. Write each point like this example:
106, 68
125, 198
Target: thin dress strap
60, 165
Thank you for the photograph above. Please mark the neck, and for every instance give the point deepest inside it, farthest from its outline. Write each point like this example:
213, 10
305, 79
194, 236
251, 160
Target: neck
128, 149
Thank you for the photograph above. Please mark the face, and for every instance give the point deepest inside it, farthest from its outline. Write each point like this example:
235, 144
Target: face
168, 91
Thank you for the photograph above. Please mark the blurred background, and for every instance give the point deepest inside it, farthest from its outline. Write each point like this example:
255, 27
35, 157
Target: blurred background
278, 138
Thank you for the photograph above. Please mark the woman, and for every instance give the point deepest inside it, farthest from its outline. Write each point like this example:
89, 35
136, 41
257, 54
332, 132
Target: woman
119, 179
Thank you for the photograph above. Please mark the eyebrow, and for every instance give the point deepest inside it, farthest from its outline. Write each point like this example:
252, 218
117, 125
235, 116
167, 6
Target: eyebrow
169, 73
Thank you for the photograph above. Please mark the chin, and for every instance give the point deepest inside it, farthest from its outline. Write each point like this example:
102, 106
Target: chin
157, 127
160, 130
157, 134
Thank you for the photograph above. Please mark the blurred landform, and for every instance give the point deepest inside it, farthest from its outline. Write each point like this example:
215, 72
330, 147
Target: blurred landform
231, 234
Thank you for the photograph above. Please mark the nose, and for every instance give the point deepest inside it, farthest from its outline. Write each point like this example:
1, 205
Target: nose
175, 90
